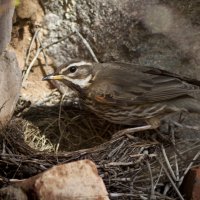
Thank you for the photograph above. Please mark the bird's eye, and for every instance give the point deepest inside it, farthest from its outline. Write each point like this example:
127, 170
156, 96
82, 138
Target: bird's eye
72, 69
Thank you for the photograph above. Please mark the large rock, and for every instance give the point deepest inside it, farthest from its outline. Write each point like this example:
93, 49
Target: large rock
72, 181
10, 84
156, 33
10, 75
191, 184
12, 193
6, 14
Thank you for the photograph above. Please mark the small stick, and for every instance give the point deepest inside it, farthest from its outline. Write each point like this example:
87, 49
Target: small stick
36, 56
30, 66
175, 157
170, 179
121, 179
119, 164
59, 124
152, 195
166, 189
158, 179
142, 155
31, 44
116, 195
43, 52
87, 46
168, 164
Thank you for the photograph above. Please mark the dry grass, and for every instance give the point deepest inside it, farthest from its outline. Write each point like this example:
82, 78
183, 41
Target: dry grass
73, 130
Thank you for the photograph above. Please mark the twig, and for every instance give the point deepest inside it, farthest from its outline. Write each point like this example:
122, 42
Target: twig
30, 66
166, 189
158, 179
59, 123
43, 51
36, 56
117, 195
175, 157
118, 164
168, 164
152, 195
56, 42
87, 45
121, 179
132, 130
113, 151
31, 44
142, 155
170, 179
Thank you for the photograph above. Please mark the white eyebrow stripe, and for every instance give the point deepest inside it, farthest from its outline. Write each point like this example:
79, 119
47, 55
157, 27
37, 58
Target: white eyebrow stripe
75, 64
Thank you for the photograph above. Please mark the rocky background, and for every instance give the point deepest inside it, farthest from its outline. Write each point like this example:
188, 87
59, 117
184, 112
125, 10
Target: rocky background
158, 33
154, 33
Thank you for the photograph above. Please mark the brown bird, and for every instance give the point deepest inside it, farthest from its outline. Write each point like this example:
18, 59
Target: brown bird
125, 93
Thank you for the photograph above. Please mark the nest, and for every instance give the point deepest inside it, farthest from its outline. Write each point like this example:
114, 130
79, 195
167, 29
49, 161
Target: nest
143, 165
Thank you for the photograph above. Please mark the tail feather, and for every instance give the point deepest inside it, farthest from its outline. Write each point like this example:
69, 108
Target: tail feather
189, 104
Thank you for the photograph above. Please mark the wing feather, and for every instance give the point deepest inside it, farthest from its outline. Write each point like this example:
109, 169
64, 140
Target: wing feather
118, 84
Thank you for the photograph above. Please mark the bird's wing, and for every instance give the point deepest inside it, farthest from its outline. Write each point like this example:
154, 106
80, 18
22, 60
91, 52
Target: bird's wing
137, 85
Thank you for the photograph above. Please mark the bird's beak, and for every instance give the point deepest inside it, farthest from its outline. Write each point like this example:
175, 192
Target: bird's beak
53, 77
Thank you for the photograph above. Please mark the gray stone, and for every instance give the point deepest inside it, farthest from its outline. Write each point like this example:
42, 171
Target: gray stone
156, 33
10, 84
12, 193
10, 75
6, 14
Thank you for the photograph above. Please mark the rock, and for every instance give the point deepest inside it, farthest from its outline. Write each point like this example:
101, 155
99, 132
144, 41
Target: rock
76, 180
27, 9
6, 14
10, 75
10, 84
12, 193
191, 184
156, 33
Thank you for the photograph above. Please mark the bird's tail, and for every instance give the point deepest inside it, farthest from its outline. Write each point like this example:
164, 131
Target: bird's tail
189, 104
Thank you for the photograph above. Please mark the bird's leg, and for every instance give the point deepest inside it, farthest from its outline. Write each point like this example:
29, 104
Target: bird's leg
132, 130
182, 117
152, 123
179, 123
167, 126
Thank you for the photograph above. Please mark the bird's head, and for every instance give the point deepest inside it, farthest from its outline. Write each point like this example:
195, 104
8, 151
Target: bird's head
74, 73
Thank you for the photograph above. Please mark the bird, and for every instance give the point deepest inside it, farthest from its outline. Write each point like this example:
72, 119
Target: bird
125, 93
